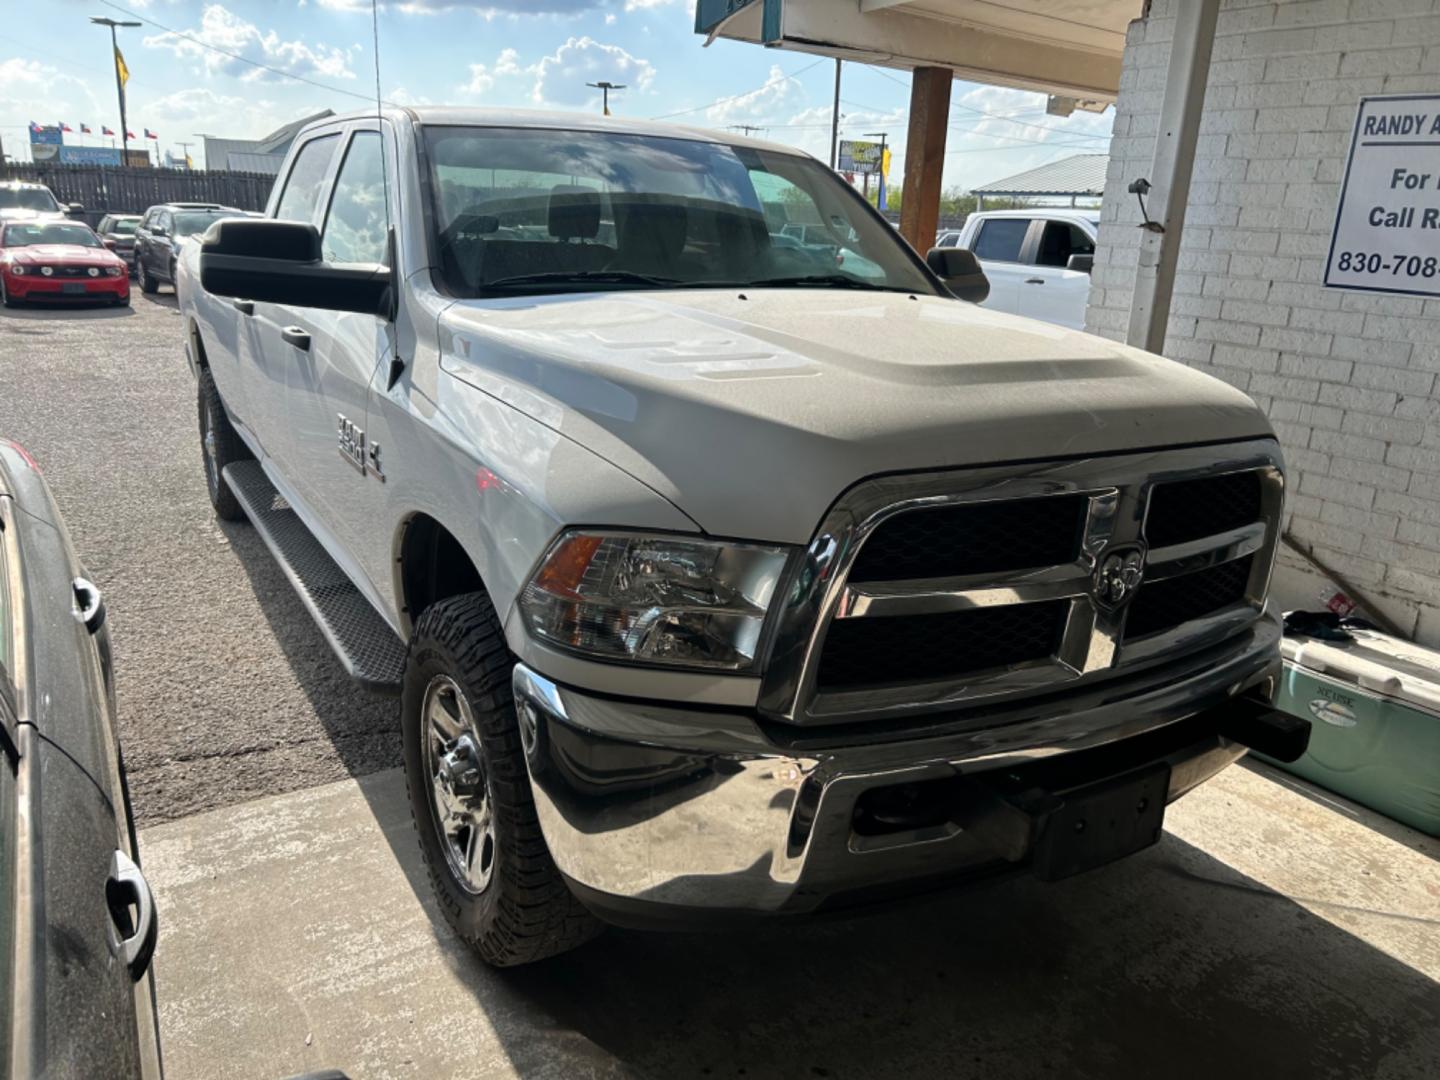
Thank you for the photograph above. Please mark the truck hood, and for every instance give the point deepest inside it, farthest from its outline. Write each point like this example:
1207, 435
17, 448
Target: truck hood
752, 411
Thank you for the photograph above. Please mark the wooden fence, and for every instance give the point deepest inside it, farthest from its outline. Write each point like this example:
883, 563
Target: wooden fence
104, 189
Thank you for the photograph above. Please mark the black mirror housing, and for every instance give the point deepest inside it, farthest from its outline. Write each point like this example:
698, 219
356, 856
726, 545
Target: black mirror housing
961, 272
75, 208
279, 262
1083, 263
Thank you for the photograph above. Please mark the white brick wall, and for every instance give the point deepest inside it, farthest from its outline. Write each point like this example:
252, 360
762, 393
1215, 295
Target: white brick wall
1351, 381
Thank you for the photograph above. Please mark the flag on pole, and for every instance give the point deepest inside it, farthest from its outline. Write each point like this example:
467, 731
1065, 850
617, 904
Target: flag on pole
63, 126
121, 69
880, 202
150, 134
130, 134
105, 131
35, 129
85, 130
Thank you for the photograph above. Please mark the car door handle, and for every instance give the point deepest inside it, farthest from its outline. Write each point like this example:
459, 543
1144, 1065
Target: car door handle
1034, 281
293, 335
131, 937
245, 307
89, 604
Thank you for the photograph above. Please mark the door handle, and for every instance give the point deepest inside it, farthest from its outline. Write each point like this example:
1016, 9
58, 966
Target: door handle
245, 307
1034, 281
90, 605
131, 939
294, 335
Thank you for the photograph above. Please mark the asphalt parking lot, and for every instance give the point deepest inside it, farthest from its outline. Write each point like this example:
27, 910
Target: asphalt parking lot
226, 691
1272, 933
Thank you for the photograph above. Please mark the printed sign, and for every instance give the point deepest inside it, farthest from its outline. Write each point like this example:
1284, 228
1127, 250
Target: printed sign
859, 157
1387, 229
89, 155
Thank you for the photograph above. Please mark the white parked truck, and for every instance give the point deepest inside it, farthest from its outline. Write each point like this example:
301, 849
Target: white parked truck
714, 578
1037, 260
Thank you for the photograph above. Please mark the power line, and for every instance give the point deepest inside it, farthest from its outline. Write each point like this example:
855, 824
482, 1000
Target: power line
235, 56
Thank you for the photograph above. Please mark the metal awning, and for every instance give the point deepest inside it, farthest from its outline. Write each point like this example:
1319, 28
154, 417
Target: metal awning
1083, 174
1070, 48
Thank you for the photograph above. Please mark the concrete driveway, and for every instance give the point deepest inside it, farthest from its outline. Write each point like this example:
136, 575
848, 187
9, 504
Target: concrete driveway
1273, 933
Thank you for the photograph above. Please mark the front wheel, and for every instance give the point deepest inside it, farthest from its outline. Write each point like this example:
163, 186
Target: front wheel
470, 795
220, 446
148, 285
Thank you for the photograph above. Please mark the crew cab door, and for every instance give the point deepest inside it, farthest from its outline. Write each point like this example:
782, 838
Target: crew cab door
1000, 245
268, 358
1049, 291
334, 355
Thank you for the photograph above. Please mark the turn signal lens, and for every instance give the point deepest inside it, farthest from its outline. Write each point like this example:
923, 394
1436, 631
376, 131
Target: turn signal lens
671, 600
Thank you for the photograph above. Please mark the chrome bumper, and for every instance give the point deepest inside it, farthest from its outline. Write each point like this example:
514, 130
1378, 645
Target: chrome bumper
707, 811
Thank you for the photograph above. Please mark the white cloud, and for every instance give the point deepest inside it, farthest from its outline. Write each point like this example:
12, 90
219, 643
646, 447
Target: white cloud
222, 29
561, 77
483, 77
780, 91
480, 80
34, 91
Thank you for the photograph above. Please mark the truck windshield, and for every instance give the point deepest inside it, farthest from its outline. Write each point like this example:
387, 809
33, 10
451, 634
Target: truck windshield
48, 233
28, 198
534, 210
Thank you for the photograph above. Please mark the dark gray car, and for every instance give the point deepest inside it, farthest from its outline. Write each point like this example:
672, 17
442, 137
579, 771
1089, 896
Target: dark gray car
162, 230
77, 919
118, 233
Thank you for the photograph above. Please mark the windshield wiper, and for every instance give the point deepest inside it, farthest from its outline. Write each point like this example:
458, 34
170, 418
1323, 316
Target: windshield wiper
828, 281
580, 277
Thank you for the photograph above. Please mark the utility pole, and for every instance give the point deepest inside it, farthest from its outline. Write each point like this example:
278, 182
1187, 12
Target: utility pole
605, 88
747, 129
835, 121
119, 84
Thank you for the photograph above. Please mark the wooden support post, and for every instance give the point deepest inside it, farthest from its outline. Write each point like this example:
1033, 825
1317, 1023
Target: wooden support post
925, 155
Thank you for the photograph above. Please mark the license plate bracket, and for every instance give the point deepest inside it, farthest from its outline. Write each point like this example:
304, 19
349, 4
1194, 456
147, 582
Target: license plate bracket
1103, 822
72, 287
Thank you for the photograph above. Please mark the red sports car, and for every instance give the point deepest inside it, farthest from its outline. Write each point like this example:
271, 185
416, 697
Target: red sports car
58, 260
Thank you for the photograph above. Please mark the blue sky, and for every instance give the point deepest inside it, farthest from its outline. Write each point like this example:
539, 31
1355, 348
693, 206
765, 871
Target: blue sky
531, 53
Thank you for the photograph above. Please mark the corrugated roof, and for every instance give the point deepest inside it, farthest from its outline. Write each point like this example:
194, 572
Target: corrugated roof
1083, 174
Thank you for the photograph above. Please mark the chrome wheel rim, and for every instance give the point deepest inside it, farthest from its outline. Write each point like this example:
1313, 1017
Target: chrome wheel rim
212, 451
460, 801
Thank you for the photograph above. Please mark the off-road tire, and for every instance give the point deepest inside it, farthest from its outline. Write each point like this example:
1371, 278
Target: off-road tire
229, 447
526, 912
148, 285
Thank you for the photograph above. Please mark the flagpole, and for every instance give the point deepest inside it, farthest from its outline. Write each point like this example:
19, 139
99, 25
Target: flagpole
119, 86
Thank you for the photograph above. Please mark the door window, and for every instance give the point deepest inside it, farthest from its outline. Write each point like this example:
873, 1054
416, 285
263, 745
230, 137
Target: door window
1060, 240
356, 225
1001, 239
307, 176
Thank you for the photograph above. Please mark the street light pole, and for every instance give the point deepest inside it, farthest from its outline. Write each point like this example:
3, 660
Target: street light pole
119, 86
605, 88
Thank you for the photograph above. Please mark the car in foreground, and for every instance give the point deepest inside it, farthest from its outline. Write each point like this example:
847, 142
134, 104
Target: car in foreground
161, 233
58, 261
77, 918
117, 232
1038, 260
713, 581
20, 199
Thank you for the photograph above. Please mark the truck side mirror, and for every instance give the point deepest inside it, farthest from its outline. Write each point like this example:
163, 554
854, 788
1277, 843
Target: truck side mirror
961, 272
279, 262
74, 209
1082, 263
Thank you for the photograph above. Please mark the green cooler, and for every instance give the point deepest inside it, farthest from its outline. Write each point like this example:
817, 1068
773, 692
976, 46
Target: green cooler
1374, 704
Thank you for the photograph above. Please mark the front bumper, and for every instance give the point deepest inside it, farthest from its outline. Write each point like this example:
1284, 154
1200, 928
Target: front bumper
34, 287
659, 813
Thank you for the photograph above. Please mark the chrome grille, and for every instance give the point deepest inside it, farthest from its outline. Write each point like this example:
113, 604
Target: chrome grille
932, 623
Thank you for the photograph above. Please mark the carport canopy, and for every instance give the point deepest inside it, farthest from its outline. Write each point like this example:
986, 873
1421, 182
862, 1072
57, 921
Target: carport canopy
1082, 175
1070, 49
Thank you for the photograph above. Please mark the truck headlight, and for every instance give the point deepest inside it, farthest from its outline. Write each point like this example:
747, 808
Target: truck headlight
654, 599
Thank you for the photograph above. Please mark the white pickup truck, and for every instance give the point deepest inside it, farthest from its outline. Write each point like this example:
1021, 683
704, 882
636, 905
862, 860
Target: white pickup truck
713, 578
1037, 260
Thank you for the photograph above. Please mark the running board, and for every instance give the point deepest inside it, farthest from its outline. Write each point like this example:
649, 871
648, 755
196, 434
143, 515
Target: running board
369, 650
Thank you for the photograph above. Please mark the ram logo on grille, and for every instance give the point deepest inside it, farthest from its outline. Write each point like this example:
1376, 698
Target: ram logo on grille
1118, 575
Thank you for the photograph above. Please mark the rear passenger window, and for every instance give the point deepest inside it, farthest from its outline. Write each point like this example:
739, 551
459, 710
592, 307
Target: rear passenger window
1059, 241
302, 186
355, 226
1000, 239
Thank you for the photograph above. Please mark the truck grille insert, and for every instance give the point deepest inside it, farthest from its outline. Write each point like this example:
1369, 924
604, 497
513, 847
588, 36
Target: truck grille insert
924, 648
981, 538
1191, 509
1164, 605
